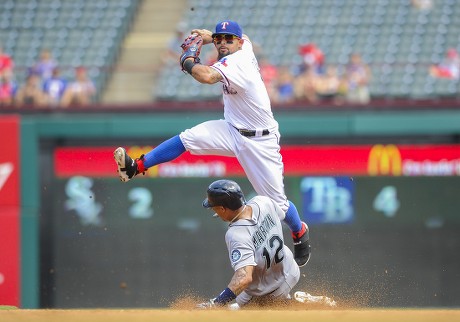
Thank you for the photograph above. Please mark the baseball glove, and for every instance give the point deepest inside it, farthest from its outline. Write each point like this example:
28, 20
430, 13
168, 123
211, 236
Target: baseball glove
191, 48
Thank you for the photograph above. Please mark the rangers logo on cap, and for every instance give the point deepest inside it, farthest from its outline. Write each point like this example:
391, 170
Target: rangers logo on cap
228, 27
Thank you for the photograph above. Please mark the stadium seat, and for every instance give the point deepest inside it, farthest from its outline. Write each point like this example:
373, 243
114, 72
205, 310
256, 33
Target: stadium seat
77, 32
385, 32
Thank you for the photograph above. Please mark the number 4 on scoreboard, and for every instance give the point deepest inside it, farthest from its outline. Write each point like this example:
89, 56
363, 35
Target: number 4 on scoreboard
387, 201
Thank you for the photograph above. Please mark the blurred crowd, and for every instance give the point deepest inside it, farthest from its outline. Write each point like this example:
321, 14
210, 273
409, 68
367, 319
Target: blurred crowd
43, 85
314, 80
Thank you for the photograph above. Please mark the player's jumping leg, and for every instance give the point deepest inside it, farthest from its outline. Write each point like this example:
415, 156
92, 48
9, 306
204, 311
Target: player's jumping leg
300, 235
127, 167
166, 151
266, 176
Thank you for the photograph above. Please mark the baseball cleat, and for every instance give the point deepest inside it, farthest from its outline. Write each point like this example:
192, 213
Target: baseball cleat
302, 248
304, 297
127, 167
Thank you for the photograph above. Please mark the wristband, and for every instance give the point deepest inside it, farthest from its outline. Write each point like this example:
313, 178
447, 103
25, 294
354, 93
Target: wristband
226, 296
188, 65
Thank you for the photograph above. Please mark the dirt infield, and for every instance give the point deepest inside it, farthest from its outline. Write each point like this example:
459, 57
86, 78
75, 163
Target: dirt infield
170, 315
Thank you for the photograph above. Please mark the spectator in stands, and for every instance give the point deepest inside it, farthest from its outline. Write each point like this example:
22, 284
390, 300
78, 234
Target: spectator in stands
327, 85
45, 65
312, 58
285, 85
304, 86
80, 92
7, 89
422, 4
341, 96
449, 68
358, 76
54, 87
30, 93
6, 63
311, 67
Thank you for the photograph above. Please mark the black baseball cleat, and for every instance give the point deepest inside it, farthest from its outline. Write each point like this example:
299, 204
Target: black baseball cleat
127, 167
302, 247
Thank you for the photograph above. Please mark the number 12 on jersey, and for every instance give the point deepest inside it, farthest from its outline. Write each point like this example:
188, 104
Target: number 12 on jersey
276, 250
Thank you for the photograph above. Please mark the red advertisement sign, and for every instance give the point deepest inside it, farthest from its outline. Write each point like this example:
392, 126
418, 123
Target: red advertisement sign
9, 211
299, 160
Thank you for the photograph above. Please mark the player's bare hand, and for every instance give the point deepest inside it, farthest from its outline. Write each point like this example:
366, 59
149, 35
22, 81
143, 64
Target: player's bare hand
205, 34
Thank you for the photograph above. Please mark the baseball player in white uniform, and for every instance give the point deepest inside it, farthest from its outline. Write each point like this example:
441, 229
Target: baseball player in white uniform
264, 267
248, 131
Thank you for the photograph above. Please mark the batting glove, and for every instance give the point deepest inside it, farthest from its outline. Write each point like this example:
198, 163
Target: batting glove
207, 305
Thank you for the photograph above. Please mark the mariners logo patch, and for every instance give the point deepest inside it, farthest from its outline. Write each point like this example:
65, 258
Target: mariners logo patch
236, 255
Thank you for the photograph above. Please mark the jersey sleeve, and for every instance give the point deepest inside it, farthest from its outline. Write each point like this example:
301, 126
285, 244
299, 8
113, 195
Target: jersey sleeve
233, 67
247, 45
219, 67
239, 249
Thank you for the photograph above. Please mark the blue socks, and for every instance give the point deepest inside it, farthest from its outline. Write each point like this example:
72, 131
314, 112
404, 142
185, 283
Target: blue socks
292, 218
173, 148
166, 151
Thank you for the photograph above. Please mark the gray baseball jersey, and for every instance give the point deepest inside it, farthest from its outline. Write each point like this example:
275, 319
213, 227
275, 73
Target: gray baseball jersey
259, 242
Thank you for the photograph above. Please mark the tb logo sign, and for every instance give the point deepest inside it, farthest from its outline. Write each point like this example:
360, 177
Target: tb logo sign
327, 199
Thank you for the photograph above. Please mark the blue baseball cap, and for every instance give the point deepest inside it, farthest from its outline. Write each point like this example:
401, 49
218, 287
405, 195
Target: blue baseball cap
228, 27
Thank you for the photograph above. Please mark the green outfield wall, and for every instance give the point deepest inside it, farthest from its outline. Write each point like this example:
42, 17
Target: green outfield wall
91, 127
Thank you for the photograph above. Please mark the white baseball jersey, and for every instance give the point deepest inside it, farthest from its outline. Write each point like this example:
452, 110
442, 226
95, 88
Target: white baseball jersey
246, 101
259, 242
246, 106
